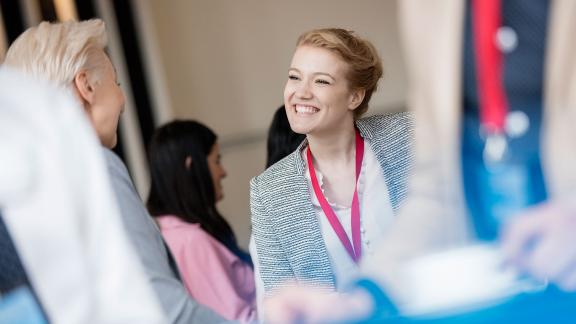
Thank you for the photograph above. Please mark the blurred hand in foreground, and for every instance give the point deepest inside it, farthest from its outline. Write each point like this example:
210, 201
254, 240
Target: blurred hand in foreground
308, 305
542, 243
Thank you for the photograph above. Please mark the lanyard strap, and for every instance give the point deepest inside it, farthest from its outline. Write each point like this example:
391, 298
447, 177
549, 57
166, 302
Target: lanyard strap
492, 96
356, 251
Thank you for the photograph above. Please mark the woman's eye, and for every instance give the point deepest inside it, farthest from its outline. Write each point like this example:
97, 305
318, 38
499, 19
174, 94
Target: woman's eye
321, 81
293, 77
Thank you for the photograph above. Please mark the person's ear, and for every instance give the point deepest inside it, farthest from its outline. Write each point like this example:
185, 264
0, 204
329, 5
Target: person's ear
356, 98
84, 87
188, 162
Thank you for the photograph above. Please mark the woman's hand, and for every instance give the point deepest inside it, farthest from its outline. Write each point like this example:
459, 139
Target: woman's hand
542, 243
308, 305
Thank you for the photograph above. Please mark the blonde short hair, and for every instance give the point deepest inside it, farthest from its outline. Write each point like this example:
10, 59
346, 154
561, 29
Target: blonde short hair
365, 65
59, 51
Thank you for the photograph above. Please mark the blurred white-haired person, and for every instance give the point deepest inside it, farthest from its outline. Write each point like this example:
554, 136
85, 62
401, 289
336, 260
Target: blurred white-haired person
60, 214
72, 56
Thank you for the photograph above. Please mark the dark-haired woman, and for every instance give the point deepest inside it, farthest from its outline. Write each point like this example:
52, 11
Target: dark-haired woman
186, 184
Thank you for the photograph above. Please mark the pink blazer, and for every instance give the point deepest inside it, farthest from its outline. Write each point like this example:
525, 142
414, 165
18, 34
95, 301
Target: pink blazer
213, 275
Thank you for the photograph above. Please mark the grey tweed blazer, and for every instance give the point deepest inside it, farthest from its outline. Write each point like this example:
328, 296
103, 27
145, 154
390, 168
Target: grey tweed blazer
285, 227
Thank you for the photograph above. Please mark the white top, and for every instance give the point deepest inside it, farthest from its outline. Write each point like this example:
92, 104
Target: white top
376, 214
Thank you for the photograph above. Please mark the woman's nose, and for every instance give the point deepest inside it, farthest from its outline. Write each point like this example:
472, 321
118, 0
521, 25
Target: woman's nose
303, 90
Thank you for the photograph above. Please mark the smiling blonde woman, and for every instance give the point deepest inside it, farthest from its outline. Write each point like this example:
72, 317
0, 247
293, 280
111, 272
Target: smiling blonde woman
319, 211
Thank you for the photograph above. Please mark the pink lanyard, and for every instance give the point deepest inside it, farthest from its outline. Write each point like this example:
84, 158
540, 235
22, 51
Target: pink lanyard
486, 19
356, 251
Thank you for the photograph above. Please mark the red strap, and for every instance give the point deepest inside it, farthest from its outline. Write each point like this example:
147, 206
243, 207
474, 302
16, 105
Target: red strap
493, 104
354, 251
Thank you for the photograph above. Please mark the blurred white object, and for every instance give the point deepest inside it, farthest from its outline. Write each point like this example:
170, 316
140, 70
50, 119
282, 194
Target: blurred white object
458, 280
57, 203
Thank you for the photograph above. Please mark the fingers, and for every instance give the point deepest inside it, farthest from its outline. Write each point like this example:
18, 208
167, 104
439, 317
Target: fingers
567, 281
343, 308
286, 306
307, 305
297, 305
550, 257
542, 242
521, 235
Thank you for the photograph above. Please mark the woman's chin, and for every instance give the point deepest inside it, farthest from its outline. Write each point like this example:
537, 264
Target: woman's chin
300, 129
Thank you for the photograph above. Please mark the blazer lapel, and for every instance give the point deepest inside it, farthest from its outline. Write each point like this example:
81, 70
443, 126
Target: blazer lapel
393, 152
299, 229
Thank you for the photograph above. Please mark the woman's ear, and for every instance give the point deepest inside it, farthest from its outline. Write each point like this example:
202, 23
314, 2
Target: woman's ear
356, 98
84, 87
188, 162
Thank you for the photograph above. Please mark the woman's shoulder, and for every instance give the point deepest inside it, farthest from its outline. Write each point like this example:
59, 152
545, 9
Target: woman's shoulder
180, 232
388, 122
281, 171
175, 229
193, 246
395, 130
167, 222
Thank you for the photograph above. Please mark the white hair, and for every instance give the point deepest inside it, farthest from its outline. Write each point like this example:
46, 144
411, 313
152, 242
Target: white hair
59, 51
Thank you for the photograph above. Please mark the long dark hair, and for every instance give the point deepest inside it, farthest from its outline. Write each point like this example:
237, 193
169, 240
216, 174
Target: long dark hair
187, 191
282, 140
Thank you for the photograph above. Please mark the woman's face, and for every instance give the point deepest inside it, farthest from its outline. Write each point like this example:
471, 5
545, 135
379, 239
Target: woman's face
317, 95
106, 104
216, 171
